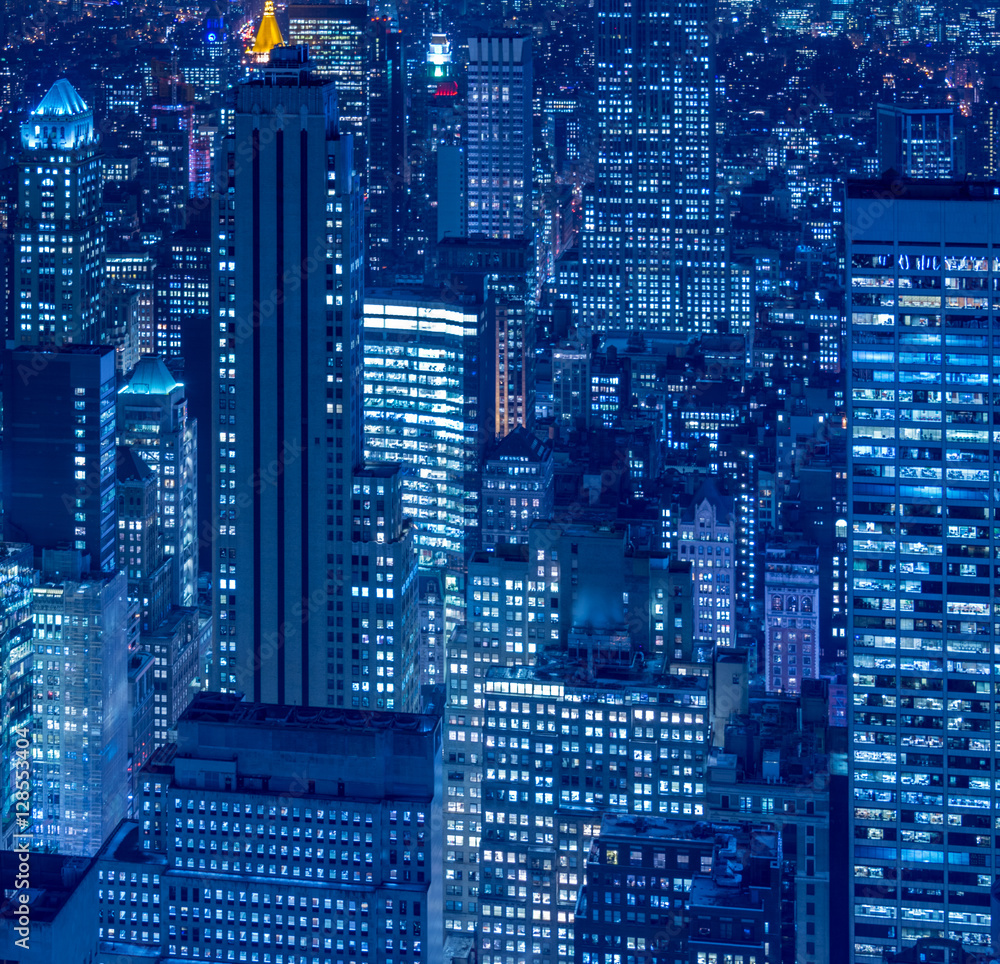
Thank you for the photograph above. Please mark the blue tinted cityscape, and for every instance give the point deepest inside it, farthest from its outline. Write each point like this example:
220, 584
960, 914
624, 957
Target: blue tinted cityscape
499, 482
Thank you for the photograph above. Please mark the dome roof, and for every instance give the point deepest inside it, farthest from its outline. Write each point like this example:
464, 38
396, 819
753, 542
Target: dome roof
151, 377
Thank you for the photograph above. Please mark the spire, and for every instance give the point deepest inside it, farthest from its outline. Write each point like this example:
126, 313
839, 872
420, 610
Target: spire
269, 34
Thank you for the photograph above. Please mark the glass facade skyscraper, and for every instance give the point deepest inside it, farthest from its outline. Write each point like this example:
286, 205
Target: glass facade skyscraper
654, 243
424, 358
923, 272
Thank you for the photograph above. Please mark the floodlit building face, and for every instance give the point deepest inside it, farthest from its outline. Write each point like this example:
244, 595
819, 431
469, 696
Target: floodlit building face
654, 251
423, 375
499, 136
59, 252
17, 577
922, 260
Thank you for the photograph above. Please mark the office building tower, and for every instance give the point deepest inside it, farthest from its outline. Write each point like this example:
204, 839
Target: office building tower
134, 272
168, 141
920, 258
610, 388
148, 570
706, 538
654, 245
337, 38
452, 187
297, 770
571, 363
499, 138
17, 577
791, 604
788, 742
292, 620
182, 279
622, 742
987, 145
141, 704
527, 605
79, 770
507, 266
383, 597
174, 645
919, 141
153, 421
430, 598
58, 264
689, 900
121, 326
385, 218
352, 873
518, 488
425, 369
59, 451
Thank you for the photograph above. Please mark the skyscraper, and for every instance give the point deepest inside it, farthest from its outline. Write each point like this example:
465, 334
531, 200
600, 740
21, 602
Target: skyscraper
337, 38
508, 268
167, 141
58, 262
79, 770
518, 488
424, 378
17, 577
922, 258
387, 173
153, 421
147, 568
707, 539
297, 611
499, 138
59, 451
352, 874
654, 244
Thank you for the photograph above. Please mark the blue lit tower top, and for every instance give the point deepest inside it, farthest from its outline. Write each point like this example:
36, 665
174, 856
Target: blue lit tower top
59, 228
215, 25
62, 121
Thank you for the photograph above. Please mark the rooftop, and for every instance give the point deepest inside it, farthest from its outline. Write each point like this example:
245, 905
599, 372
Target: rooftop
230, 708
61, 120
892, 187
53, 879
521, 445
151, 377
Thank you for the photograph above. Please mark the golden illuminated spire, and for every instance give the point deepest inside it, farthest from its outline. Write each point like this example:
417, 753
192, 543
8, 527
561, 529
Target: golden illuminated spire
269, 33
